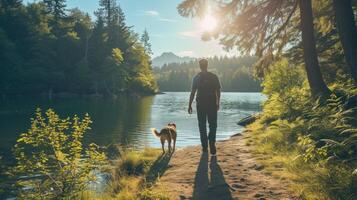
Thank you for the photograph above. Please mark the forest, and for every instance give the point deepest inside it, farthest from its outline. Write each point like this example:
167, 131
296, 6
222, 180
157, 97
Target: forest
236, 74
48, 48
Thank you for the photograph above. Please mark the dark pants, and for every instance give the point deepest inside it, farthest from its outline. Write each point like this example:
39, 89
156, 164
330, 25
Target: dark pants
207, 111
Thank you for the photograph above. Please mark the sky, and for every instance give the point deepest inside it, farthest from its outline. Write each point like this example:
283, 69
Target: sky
168, 31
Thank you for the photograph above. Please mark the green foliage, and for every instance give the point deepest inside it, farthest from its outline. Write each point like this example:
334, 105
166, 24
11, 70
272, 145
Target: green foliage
286, 87
309, 150
52, 160
236, 74
47, 48
145, 40
316, 138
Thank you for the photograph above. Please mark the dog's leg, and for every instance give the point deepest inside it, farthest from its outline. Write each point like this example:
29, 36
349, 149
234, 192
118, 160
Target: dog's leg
174, 143
162, 145
169, 144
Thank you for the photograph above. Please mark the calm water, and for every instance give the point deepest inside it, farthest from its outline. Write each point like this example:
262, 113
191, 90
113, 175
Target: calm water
128, 120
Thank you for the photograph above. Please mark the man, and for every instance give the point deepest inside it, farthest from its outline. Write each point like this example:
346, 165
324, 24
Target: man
207, 101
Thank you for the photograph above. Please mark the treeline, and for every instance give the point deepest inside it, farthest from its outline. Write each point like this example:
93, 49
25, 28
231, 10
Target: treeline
236, 74
46, 48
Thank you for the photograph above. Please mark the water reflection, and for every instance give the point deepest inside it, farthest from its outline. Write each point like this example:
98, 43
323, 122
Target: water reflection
128, 120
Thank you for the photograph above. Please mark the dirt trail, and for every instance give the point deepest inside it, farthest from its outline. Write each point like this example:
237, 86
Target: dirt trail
233, 174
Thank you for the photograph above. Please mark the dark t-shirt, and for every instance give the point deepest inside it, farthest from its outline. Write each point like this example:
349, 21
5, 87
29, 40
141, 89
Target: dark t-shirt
206, 84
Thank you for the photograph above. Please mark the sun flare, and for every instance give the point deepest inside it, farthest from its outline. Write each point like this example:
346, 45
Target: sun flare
208, 23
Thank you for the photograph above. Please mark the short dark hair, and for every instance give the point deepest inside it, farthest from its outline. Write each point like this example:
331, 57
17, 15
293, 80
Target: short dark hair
203, 63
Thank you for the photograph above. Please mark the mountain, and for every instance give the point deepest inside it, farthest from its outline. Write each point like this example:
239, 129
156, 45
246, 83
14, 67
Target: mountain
169, 57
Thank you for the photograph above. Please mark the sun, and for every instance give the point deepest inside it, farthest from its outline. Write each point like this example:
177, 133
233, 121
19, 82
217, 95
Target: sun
208, 23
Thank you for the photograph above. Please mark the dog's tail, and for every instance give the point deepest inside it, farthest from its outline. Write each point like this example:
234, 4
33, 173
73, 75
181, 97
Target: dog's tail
155, 132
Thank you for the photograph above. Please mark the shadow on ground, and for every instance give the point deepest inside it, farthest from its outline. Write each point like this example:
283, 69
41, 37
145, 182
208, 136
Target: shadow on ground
214, 187
158, 168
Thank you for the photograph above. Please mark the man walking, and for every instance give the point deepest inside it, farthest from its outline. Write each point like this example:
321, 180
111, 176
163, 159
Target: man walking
208, 89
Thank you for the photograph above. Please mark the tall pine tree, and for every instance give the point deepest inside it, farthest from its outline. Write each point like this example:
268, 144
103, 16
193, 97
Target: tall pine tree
145, 40
57, 8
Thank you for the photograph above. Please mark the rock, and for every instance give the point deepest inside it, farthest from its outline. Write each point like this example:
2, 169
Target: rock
236, 135
247, 120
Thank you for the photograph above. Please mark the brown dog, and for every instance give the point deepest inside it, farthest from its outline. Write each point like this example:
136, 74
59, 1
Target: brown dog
167, 133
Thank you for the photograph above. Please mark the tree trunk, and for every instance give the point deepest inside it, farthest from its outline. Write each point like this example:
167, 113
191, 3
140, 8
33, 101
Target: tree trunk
317, 85
347, 30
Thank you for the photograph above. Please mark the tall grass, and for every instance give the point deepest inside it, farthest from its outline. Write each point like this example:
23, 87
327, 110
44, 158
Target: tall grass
130, 172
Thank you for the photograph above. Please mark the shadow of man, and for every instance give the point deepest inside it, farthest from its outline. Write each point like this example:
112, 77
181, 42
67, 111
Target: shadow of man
216, 187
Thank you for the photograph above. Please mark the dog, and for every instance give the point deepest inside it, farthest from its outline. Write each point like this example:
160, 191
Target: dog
167, 133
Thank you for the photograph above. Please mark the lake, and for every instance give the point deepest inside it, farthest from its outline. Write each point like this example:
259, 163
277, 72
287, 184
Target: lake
128, 120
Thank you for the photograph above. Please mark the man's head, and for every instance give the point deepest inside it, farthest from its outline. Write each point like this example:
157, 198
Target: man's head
203, 64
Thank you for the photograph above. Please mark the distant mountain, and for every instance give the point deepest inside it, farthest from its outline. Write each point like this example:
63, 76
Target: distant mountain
169, 57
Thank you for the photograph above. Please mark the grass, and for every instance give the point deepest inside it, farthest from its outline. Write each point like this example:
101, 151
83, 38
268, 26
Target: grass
310, 180
135, 175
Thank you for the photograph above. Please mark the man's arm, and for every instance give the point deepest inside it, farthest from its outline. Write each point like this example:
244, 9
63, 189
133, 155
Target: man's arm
218, 95
218, 92
192, 96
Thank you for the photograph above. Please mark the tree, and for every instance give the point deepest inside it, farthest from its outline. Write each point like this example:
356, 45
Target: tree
346, 25
317, 85
266, 28
57, 9
235, 73
46, 48
97, 51
145, 41
114, 20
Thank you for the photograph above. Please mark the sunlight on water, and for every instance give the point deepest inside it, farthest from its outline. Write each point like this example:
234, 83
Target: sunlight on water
172, 107
128, 120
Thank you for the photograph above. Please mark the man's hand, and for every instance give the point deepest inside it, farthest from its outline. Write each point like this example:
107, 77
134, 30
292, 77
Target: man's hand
192, 96
189, 110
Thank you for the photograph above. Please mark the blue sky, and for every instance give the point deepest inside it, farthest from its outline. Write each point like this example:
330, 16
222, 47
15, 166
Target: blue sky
169, 32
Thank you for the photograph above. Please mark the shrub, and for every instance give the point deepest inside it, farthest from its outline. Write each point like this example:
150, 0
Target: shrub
317, 139
286, 88
51, 157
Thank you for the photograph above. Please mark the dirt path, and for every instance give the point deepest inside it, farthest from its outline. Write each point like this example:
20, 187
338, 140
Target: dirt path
233, 174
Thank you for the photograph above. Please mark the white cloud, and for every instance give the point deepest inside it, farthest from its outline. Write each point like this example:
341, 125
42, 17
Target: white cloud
151, 13
191, 34
155, 14
186, 53
167, 20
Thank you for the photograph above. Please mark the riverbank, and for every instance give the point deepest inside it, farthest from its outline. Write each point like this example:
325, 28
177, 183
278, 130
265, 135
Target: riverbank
235, 173
131, 176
